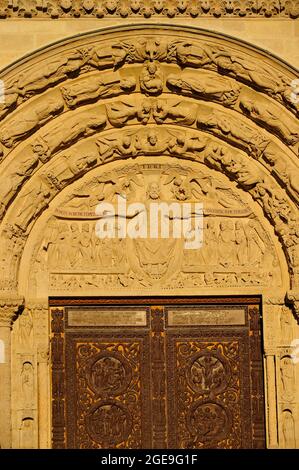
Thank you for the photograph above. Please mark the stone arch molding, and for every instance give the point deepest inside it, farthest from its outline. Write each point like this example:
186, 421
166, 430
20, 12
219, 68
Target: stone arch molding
194, 94
212, 116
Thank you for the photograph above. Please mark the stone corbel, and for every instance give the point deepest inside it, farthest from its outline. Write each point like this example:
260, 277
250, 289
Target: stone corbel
293, 299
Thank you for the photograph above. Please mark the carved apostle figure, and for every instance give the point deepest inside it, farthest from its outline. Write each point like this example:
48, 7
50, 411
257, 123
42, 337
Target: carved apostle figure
59, 242
241, 67
96, 87
27, 381
53, 72
77, 126
288, 429
206, 84
34, 203
20, 174
241, 243
195, 55
255, 245
182, 112
73, 248
269, 115
86, 245
12, 93
27, 434
287, 377
286, 319
25, 330
120, 112
227, 243
32, 119
211, 243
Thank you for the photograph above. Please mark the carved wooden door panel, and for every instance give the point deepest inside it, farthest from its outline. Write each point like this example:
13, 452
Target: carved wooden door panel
215, 378
178, 375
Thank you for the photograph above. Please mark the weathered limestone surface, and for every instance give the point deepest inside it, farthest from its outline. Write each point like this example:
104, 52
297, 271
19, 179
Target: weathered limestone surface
154, 113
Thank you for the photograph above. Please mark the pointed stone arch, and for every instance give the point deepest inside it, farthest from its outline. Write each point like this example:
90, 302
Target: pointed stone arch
123, 94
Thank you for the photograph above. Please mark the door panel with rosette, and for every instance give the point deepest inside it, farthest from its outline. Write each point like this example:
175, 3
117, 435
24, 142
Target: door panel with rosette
157, 373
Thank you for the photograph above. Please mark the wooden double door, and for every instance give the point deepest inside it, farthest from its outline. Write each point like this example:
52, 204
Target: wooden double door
157, 373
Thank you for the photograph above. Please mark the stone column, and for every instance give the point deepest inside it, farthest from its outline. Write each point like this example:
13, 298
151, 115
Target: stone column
271, 397
40, 313
43, 398
8, 311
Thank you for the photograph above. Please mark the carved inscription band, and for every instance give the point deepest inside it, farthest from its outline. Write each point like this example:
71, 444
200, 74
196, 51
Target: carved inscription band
206, 317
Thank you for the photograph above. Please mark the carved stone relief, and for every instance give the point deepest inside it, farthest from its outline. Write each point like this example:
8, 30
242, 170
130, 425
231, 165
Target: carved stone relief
24, 330
94, 87
288, 427
234, 116
236, 251
286, 326
287, 372
206, 85
26, 432
15, 130
155, 142
195, 54
227, 127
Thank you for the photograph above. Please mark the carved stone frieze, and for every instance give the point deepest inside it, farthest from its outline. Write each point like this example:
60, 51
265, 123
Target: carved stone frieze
236, 252
148, 50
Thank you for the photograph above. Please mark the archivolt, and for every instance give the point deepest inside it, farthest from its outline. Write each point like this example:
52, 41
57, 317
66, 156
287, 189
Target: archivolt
187, 93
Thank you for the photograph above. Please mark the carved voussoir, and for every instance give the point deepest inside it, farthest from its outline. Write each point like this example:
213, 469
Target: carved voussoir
9, 309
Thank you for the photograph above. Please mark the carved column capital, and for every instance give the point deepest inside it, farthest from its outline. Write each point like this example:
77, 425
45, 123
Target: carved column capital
37, 304
269, 352
9, 309
293, 298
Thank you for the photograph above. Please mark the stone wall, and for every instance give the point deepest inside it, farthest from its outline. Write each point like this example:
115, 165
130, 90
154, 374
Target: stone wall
35, 138
19, 37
